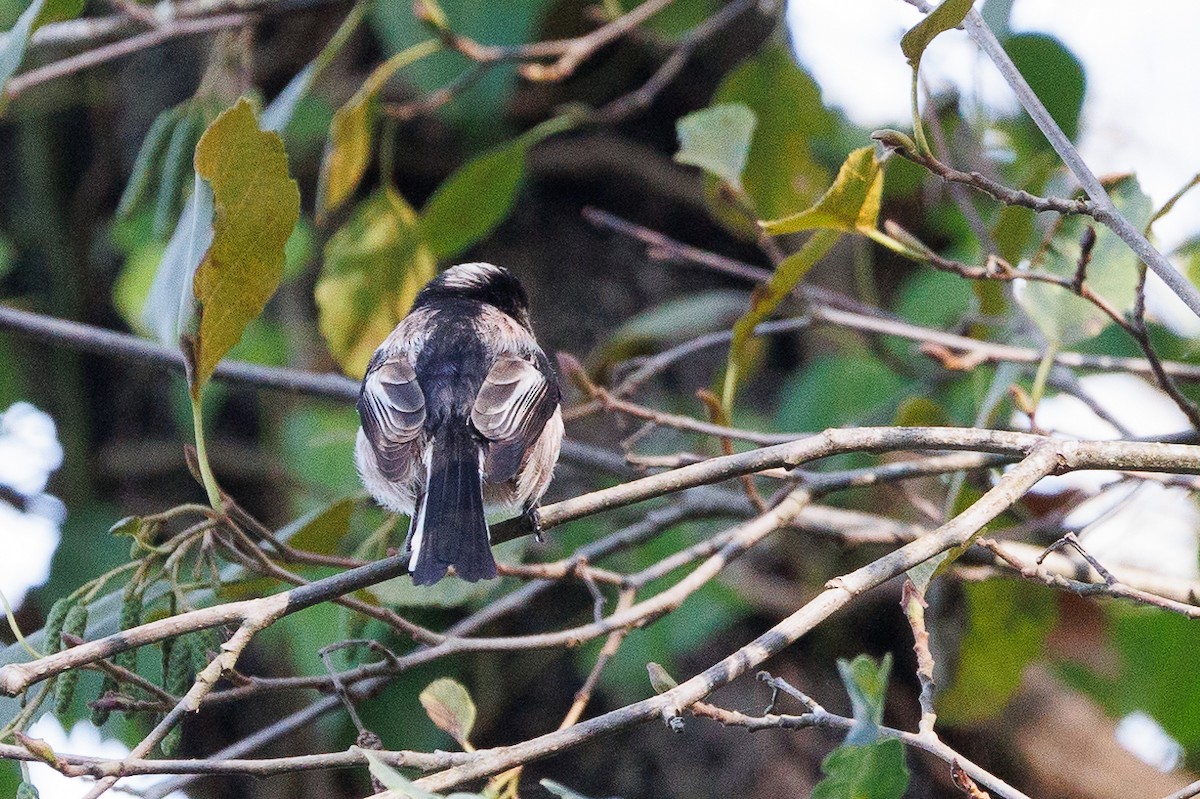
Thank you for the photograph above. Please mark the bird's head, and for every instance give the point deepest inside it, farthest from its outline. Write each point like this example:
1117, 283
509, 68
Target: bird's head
481, 282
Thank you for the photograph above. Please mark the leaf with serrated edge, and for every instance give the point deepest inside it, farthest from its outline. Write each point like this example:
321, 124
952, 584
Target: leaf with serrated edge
764, 301
949, 14
717, 139
1065, 318
256, 205
866, 683
373, 268
851, 205
450, 708
873, 771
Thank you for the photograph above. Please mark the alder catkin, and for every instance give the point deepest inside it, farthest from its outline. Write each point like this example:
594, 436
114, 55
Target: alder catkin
131, 616
100, 714
54, 624
64, 687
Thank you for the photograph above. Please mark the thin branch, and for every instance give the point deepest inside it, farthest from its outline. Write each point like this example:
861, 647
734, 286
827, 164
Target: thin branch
1105, 211
1070, 455
823, 719
983, 183
1109, 585
913, 602
109, 52
840, 591
108, 343
830, 308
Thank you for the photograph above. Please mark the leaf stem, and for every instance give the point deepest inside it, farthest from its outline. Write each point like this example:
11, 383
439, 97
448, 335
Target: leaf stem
918, 125
1043, 373
206, 474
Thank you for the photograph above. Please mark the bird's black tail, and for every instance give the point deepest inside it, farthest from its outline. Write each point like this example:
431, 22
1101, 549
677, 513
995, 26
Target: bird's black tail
449, 528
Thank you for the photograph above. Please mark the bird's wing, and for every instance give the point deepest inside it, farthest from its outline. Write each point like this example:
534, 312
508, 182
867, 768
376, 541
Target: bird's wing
392, 409
513, 405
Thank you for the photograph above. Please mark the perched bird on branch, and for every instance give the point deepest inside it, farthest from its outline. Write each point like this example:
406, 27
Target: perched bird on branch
459, 409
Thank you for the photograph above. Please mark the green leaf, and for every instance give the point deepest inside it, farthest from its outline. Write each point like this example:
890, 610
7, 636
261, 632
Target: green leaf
469, 204
782, 176
660, 679
1188, 252
1054, 73
13, 44
838, 390
560, 790
175, 166
1151, 649
920, 412
1006, 629
480, 109
850, 205
323, 532
1065, 318
764, 301
450, 708
348, 151
148, 161
717, 139
673, 322
873, 771
374, 266
256, 206
949, 14
866, 683
392, 779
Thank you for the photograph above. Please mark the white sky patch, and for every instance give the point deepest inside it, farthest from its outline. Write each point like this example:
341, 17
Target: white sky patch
1133, 523
1145, 739
1139, 113
84, 739
29, 454
29, 449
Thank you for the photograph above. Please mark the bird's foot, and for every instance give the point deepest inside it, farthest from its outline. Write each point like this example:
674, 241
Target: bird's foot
534, 519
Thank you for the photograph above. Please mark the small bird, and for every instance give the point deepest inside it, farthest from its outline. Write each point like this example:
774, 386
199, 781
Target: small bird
459, 408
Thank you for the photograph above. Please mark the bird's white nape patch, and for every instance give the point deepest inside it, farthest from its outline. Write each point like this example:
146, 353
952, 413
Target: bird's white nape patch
469, 276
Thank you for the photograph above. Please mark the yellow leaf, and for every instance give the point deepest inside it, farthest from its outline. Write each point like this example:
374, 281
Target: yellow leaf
374, 266
348, 151
256, 205
450, 707
851, 205
946, 16
765, 300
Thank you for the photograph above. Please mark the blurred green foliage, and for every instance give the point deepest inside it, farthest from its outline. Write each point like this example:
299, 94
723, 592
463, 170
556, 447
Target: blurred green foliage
357, 256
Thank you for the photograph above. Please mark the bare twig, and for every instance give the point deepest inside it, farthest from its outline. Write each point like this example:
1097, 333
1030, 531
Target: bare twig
829, 308
840, 591
913, 602
1105, 211
820, 718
